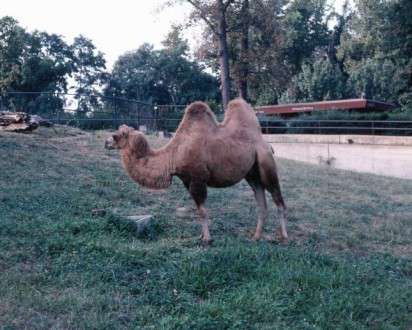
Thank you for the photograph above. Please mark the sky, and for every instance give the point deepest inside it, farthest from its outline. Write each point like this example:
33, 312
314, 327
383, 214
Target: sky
114, 26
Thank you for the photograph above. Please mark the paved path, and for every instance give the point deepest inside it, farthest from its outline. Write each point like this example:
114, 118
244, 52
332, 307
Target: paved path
386, 160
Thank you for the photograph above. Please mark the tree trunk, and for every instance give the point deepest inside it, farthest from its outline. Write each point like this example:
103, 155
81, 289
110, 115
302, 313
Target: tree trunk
244, 52
223, 54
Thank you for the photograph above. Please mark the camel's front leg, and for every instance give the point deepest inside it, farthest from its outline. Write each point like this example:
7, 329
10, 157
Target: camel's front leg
198, 191
205, 224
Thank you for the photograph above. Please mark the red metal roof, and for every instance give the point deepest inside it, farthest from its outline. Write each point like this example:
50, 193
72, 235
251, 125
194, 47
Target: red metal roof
349, 104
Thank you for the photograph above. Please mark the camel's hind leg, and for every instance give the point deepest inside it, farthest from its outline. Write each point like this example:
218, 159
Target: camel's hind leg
270, 181
260, 197
282, 211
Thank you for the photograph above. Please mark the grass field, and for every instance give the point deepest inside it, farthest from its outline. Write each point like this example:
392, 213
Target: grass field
348, 264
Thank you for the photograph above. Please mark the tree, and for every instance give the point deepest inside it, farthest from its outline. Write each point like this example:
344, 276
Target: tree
377, 79
335, 35
12, 46
214, 14
38, 65
255, 41
89, 72
174, 42
380, 38
321, 81
160, 76
244, 49
306, 30
268, 42
32, 62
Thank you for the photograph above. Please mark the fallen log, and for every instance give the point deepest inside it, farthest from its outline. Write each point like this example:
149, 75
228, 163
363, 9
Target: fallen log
40, 121
20, 122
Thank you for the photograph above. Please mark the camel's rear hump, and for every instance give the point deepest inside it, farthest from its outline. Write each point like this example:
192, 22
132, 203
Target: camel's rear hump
239, 113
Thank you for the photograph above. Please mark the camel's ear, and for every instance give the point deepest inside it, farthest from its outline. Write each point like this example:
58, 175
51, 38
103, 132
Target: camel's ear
124, 129
116, 137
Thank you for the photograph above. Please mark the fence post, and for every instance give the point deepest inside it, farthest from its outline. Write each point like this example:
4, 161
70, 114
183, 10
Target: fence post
114, 111
137, 114
155, 118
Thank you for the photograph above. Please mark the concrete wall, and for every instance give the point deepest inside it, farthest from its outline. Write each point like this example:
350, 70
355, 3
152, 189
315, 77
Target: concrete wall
340, 139
391, 156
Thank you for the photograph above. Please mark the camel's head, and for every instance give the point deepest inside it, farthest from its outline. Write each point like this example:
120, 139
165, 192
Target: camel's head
119, 140
128, 137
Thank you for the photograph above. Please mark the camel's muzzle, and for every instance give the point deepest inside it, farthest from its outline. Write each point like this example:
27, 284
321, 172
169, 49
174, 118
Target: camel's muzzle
109, 144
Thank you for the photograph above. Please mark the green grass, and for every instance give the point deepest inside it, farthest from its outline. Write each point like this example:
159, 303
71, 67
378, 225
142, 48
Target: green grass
348, 264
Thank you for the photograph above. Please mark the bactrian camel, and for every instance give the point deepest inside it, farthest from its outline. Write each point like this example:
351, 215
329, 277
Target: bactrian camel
205, 153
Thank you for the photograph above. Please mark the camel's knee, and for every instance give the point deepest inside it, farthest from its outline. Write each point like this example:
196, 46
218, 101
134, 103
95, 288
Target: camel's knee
202, 212
277, 197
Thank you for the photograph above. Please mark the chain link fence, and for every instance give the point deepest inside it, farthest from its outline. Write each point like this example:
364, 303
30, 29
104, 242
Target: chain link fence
93, 111
278, 125
109, 112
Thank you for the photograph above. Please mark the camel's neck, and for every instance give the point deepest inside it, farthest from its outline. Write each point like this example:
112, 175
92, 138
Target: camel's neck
154, 170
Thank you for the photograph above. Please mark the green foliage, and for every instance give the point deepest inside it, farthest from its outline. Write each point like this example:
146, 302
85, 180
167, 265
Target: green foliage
41, 62
279, 51
320, 81
161, 76
12, 41
32, 62
175, 43
305, 31
370, 59
378, 80
89, 73
281, 36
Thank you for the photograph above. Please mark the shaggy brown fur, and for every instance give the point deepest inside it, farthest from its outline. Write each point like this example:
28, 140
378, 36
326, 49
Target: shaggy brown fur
205, 153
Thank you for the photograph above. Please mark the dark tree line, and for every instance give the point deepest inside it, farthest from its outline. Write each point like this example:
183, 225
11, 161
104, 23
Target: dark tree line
303, 50
32, 62
41, 62
267, 51
165, 76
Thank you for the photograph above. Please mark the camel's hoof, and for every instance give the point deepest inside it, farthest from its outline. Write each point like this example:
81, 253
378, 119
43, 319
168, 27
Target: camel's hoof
206, 243
280, 237
256, 238
284, 241
278, 241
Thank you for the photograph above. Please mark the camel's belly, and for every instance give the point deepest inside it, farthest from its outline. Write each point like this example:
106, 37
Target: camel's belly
222, 183
229, 164
222, 176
